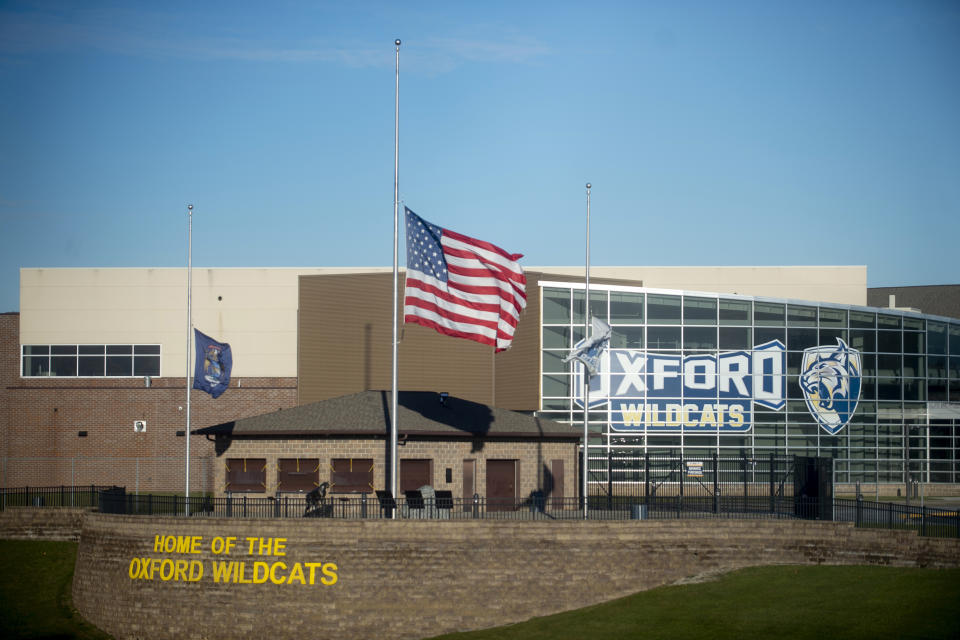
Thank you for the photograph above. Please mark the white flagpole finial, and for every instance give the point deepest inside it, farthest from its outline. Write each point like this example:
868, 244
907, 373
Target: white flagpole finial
397, 42
588, 185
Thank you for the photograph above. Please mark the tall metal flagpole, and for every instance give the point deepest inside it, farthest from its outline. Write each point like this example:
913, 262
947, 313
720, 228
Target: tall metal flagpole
186, 502
583, 367
396, 235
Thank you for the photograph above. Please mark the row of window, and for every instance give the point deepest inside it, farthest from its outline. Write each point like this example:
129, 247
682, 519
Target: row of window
345, 475
565, 306
90, 360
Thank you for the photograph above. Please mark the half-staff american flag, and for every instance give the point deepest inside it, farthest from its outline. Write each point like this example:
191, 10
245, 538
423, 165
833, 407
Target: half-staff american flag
461, 286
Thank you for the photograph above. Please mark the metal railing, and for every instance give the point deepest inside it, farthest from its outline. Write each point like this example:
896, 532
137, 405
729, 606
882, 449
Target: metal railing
925, 520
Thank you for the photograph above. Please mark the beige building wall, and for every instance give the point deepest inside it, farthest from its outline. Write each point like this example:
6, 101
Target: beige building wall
838, 284
255, 310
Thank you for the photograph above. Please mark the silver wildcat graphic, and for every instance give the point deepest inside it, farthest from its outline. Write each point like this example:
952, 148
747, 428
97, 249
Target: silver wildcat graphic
830, 380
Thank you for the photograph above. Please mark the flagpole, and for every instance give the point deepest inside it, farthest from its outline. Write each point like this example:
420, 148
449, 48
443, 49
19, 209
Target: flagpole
583, 366
392, 483
186, 502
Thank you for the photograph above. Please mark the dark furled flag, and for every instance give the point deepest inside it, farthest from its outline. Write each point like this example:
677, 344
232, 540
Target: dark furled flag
213, 363
461, 286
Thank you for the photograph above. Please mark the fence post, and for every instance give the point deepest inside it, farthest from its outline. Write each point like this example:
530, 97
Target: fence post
150, 504
773, 490
716, 483
859, 518
363, 506
476, 505
26, 501
93, 497
229, 505
923, 521
609, 481
63, 499
744, 481
646, 479
680, 496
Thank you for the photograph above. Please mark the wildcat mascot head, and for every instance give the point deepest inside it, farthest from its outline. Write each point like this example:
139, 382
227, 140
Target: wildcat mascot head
830, 380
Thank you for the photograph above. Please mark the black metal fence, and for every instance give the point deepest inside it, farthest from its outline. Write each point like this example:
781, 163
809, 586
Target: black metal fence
927, 521
62, 496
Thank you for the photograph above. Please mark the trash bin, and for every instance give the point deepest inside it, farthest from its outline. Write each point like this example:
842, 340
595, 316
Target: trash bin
638, 512
113, 500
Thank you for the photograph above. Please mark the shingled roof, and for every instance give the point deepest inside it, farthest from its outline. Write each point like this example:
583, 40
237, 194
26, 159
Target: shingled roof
419, 413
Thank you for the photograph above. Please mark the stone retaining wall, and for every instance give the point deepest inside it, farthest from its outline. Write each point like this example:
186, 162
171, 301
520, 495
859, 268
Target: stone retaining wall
26, 523
410, 579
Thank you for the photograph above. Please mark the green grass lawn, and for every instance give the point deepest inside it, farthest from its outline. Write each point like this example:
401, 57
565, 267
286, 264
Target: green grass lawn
768, 602
35, 578
764, 602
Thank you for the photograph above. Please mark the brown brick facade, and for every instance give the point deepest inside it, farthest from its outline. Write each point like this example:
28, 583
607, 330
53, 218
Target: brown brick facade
414, 579
41, 420
534, 460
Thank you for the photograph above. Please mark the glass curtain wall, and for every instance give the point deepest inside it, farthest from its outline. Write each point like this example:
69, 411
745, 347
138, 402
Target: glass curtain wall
910, 367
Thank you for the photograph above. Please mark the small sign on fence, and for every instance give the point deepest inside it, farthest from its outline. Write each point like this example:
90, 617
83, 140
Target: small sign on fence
694, 469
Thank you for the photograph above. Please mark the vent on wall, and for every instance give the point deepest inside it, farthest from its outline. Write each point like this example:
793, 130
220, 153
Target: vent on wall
139, 426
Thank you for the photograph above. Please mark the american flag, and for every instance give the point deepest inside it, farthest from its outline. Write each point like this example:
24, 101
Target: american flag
460, 286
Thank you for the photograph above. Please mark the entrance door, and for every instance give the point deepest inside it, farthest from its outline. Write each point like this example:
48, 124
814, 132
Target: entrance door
555, 487
415, 473
502, 485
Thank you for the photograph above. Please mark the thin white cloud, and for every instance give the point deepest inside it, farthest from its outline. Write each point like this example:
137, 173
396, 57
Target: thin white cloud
157, 35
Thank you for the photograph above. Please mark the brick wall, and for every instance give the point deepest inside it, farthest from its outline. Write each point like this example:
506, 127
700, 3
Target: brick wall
414, 579
534, 460
41, 420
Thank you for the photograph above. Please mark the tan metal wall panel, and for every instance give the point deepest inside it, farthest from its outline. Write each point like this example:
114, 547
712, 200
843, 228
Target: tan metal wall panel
345, 339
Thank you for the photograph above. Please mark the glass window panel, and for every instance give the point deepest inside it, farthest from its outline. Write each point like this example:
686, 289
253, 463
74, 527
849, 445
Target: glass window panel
63, 349
733, 338
800, 339
954, 340
913, 324
36, 350
863, 339
768, 314
626, 308
761, 335
954, 368
798, 316
556, 385
663, 337
627, 338
663, 309
734, 312
794, 360
117, 349
36, 365
888, 322
912, 342
914, 389
863, 320
938, 366
936, 337
598, 305
913, 367
119, 365
699, 310
889, 341
92, 349
699, 338
63, 365
937, 390
888, 365
888, 389
868, 388
90, 366
556, 306
833, 317
553, 362
147, 349
829, 336
556, 337
146, 365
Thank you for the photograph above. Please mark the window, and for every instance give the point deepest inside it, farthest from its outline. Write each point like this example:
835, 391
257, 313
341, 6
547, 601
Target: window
90, 360
351, 475
247, 474
298, 474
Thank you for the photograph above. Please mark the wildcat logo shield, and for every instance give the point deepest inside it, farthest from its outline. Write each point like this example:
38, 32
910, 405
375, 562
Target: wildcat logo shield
830, 380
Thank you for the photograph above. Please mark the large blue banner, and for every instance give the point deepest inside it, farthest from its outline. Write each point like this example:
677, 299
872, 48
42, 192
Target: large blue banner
669, 393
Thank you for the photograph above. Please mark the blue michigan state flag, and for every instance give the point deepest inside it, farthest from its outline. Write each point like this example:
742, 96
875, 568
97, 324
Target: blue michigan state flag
214, 361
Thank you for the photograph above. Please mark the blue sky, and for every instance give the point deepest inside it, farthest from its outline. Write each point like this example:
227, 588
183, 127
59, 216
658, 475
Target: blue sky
726, 133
